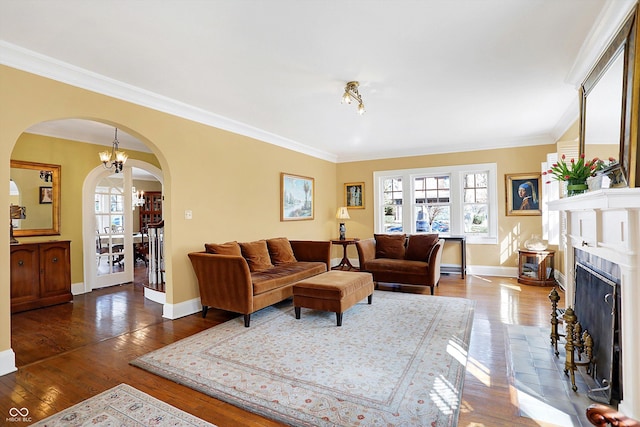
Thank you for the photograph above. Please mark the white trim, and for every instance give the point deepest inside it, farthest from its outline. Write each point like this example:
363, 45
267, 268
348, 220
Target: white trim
155, 296
7, 362
78, 288
45, 66
186, 308
613, 15
456, 216
492, 270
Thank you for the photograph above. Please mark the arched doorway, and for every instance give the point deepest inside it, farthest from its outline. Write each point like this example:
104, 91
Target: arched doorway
109, 226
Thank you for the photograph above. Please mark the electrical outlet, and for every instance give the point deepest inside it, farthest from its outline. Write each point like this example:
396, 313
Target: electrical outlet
188, 214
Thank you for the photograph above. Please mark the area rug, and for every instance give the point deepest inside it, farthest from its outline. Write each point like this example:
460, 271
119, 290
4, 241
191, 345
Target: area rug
122, 405
399, 361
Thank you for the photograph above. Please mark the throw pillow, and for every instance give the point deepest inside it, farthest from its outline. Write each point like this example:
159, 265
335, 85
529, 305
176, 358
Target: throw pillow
280, 251
229, 248
419, 246
257, 255
390, 245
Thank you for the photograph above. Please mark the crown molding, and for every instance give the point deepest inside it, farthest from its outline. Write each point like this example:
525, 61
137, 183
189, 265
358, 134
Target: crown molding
447, 148
51, 68
613, 15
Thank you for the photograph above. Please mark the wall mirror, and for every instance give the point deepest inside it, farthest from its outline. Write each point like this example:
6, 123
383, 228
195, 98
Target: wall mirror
36, 188
606, 104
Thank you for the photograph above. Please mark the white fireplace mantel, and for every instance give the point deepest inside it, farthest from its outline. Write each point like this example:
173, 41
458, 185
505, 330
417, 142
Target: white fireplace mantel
606, 223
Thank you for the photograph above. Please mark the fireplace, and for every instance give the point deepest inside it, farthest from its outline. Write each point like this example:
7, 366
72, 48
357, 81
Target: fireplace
597, 306
603, 228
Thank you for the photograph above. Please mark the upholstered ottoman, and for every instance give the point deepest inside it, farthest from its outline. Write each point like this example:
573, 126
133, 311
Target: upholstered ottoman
333, 291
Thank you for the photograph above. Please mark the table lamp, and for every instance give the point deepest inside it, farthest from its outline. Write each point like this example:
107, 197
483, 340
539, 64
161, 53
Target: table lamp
343, 213
15, 212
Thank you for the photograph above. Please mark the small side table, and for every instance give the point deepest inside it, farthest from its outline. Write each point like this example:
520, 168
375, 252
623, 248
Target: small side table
345, 264
536, 268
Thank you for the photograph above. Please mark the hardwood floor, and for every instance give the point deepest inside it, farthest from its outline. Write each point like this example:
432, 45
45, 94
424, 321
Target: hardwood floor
73, 351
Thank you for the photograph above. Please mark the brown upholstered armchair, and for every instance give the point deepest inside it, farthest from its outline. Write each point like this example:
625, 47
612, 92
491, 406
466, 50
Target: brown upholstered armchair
396, 258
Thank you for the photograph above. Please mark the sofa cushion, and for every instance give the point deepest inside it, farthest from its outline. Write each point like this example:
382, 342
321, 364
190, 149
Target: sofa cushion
419, 246
229, 248
400, 266
390, 245
257, 255
284, 274
280, 251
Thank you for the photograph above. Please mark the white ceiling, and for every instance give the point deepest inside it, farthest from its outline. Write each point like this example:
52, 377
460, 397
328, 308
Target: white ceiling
435, 75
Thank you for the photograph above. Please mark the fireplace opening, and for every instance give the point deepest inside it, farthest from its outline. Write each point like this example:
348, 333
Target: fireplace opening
597, 306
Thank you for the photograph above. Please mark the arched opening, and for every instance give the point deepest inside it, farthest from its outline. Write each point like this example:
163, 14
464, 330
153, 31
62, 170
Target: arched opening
77, 155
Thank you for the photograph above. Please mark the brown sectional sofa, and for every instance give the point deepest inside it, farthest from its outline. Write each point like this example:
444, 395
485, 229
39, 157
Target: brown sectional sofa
397, 258
246, 277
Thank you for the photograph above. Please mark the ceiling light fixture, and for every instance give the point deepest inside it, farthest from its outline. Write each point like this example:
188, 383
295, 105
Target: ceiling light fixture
137, 198
115, 157
351, 92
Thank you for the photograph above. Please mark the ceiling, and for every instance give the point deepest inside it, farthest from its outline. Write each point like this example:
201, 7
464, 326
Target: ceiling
435, 75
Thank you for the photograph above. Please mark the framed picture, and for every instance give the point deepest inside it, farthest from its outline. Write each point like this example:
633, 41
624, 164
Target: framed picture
523, 194
46, 195
296, 197
354, 195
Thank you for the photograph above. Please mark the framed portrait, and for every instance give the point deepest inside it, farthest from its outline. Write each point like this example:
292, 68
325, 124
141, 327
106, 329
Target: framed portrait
354, 195
523, 194
296, 197
46, 195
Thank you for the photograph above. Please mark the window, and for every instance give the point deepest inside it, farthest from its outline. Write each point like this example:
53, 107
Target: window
452, 200
392, 199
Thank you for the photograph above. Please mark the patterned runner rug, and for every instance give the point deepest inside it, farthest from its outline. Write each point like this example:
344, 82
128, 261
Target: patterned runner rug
399, 361
122, 405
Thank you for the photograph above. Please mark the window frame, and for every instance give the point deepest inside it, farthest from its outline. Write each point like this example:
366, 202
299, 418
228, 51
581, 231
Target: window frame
456, 202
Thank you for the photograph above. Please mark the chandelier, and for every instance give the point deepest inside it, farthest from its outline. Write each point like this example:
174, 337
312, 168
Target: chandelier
137, 198
351, 92
116, 158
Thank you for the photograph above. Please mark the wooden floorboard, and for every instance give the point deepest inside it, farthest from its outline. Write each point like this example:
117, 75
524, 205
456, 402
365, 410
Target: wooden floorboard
74, 351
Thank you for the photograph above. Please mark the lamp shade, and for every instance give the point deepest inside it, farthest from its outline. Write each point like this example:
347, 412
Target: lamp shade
342, 213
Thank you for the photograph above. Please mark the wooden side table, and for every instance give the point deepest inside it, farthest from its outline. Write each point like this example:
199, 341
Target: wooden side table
536, 268
345, 264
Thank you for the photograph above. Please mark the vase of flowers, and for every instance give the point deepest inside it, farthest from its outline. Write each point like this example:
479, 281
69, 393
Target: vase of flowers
574, 173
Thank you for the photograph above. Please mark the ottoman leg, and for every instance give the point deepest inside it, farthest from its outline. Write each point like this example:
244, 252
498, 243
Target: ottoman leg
297, 310
339, 319
370, 298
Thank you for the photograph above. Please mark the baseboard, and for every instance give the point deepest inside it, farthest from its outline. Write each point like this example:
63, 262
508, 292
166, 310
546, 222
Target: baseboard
7, 362
155, 296
492, 270
186, 308
78, 288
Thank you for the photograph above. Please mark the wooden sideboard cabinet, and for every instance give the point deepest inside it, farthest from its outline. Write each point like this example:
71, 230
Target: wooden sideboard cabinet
40, 274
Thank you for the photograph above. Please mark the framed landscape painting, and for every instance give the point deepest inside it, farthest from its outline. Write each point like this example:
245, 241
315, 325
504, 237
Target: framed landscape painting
354, 195
296, 197
523, 194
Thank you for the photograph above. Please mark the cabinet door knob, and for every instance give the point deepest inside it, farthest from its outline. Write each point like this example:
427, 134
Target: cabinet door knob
20, 263
55, 259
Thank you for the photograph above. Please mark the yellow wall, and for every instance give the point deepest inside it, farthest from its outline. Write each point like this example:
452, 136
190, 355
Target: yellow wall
230, 182
76, 160
512, 230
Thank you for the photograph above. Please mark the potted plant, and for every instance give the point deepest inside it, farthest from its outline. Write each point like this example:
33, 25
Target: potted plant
574, 173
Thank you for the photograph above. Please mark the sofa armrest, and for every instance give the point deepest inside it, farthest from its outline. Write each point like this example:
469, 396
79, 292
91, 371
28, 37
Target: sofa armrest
434, 260
224, 281
366, 251
312, 251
